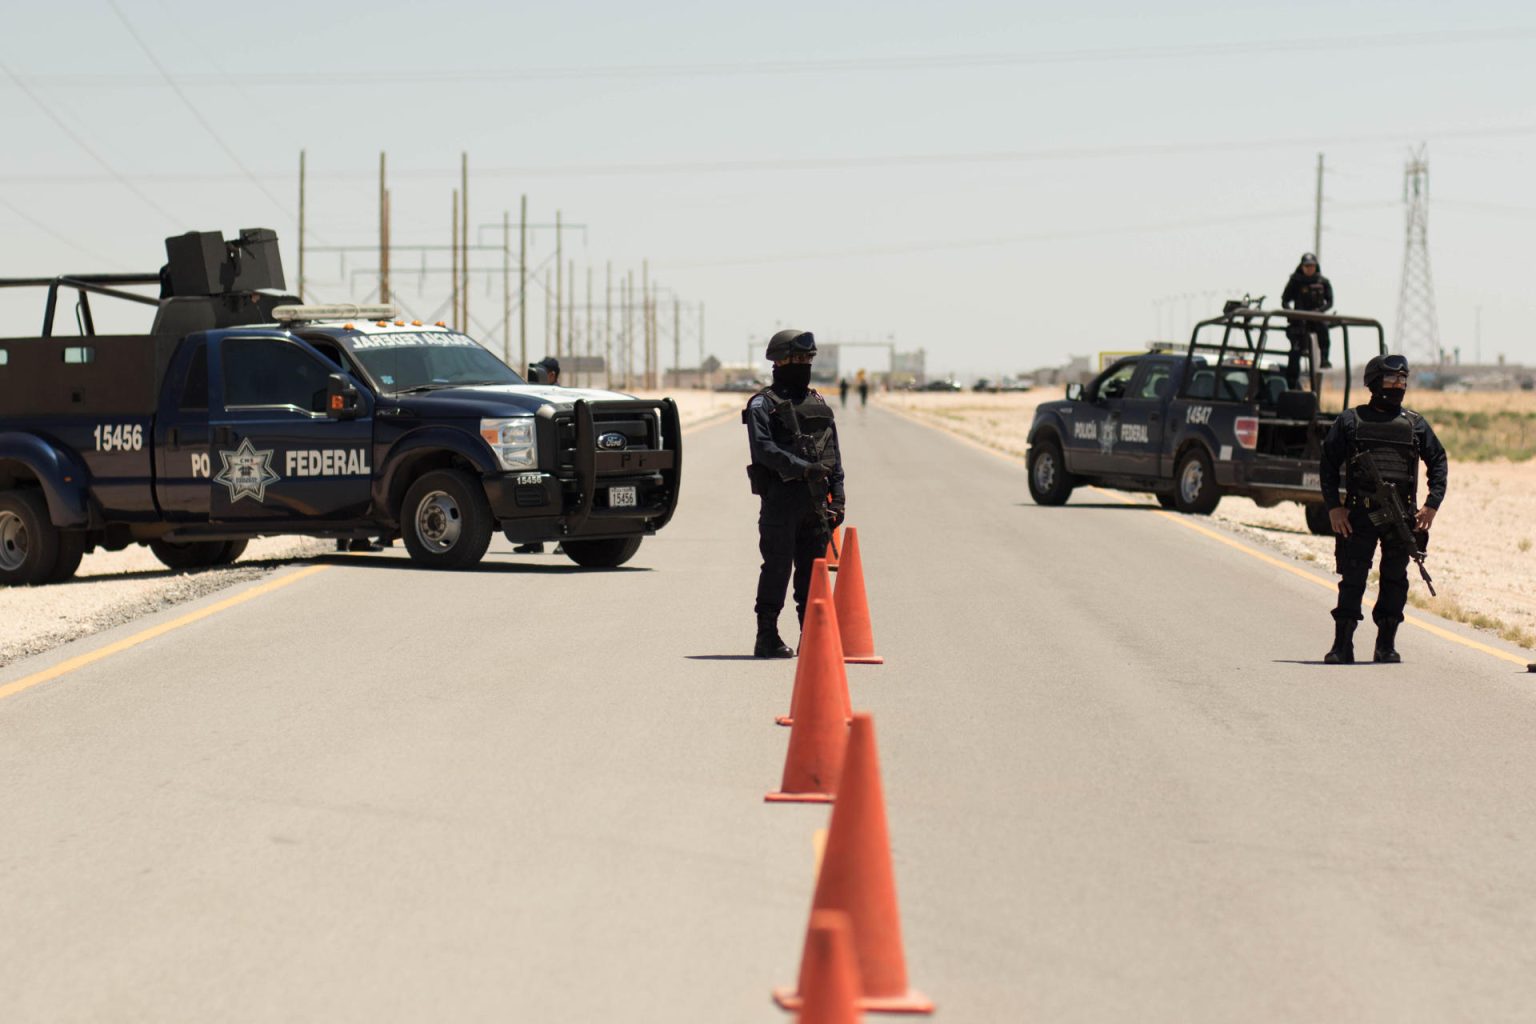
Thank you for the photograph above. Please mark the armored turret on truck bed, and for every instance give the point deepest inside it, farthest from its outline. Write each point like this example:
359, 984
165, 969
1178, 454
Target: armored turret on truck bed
243, 413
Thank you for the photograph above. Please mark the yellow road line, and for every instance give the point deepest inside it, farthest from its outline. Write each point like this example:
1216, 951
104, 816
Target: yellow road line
64, 668
1327, 584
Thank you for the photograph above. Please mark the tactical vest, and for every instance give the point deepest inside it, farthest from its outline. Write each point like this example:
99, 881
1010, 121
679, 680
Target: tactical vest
813, 416
1393, 448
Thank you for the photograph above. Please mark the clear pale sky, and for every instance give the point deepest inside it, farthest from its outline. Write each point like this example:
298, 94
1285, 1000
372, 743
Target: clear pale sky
1001, 184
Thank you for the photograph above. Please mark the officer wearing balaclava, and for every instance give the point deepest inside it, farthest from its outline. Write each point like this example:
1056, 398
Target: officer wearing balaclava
1310, 292
797, 471
1397, 439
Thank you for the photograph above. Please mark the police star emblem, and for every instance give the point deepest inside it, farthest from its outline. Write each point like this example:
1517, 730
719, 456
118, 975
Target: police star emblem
247, 472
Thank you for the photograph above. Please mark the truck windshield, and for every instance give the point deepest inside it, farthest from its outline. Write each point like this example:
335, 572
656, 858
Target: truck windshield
421, 361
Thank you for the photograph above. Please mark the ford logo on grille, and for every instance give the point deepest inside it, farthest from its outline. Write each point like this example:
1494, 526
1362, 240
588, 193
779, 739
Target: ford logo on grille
612, 442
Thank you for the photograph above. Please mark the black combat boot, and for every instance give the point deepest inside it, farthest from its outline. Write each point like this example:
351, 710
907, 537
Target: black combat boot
1386, 641
769, 643
1343, 650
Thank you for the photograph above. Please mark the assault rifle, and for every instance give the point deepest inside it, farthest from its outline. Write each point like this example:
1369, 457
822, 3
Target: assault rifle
1389, 513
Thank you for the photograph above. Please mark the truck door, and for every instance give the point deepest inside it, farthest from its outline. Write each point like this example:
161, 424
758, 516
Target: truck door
182, 466
1096, 421
1139, 439
276, 454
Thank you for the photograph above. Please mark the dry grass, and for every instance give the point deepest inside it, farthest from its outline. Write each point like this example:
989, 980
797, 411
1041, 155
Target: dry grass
1449, 608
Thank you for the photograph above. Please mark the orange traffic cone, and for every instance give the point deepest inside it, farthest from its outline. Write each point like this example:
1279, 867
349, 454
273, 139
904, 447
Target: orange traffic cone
856, 878
831, 974
815, 758
853, 607
821, 588
834, 545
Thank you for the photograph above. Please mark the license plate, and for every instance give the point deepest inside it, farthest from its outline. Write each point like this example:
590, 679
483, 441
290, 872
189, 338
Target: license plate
621, 497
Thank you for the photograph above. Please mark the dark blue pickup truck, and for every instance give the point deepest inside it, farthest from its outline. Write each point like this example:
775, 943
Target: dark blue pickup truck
1233, 413
243, 413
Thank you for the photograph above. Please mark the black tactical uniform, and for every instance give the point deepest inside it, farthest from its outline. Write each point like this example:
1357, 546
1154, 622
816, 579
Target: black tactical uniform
1310, 293
797, 471
1397, 439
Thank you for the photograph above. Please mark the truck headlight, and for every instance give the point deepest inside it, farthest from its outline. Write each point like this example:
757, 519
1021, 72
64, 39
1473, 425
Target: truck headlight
514, 441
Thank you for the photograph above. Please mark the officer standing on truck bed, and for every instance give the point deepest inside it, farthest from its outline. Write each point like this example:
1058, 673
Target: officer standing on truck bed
1310, 292
797, 471
1392, 440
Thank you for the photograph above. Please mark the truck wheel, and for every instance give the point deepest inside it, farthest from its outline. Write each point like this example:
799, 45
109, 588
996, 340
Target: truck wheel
1049, 483
1194, 484
446, 520
29, 542
602, 554
1317, 518
71, 551
191, 554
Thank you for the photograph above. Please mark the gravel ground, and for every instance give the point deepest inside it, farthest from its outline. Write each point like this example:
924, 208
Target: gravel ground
1482, 553
114, 587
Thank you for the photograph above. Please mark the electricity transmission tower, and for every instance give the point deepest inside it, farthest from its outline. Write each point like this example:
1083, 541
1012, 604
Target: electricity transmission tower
1418, 332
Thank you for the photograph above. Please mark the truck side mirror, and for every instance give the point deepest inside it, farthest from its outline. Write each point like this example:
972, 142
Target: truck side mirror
341, 401
1074, 392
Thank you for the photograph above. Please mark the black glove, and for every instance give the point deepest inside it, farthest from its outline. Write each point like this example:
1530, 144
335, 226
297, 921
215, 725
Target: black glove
816, 472
839, 513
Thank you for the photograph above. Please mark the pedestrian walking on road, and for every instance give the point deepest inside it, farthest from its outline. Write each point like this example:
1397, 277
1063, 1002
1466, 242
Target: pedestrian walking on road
797, 471
1384, 437
863, 390
842, 392
1307, 291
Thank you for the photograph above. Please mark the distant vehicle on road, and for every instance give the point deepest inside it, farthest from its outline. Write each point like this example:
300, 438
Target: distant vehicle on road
1220, 417
942, 385
746, 384
244, 414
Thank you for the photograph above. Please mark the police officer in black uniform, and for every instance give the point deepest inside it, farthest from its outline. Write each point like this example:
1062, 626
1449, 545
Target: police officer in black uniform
1396, 439
1310, 292
797, 470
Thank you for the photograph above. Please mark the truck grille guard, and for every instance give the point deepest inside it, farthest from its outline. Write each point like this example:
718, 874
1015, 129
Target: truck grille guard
588, 416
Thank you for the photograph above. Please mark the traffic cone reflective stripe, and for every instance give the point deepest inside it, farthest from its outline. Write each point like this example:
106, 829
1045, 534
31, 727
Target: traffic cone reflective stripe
831, 974
852, 606
856, 878
821, 588
820, 734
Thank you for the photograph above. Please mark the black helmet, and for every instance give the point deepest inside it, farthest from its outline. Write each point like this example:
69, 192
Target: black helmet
1308, 257
787, 343
1380, 366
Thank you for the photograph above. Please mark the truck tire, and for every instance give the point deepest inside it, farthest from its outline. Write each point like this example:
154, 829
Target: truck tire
71, 551
1317, 518
29, 542
446, 520
1049, 483
231, 550
601, 554
1194, 483
189, 554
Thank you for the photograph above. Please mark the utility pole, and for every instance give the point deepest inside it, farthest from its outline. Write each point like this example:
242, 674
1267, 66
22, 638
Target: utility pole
1418, 329
645, 320
701, 344
677, 338
629, 326
570, 309
457, 324
608, 329
588, 379
559, 283
383, 234
464, 238
549, 319
522, 286
506, 286
1317, 214
301, 225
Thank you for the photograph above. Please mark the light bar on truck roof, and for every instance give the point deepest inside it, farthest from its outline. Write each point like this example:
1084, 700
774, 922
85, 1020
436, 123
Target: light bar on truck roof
341, 311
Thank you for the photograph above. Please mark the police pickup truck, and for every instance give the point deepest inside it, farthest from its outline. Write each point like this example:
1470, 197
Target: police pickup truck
243, 413
1235, 413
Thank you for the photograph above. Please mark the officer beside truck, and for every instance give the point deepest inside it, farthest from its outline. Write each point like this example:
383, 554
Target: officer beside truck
1380, 443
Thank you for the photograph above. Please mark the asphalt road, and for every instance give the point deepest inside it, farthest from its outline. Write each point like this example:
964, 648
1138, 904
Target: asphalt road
1120, 786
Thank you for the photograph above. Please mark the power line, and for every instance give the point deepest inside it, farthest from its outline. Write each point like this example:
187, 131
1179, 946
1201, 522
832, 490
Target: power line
112, 172
58, 237
837, 65
187, 102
